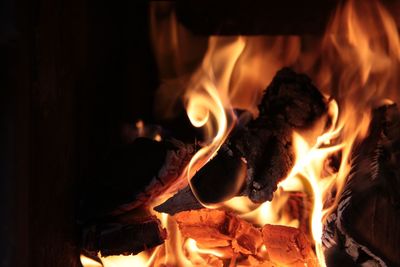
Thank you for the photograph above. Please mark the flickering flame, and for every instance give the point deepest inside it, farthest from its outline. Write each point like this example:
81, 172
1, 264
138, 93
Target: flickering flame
88, 262
355, 64
125, 261
208, 102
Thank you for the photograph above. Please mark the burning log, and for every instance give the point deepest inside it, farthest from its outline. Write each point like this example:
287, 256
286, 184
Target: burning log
252, 161
133, 175
366, 223
123, 237
288, 246
259, 155
290, 102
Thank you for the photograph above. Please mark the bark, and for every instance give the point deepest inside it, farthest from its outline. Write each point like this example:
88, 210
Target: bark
123, 237
366, 223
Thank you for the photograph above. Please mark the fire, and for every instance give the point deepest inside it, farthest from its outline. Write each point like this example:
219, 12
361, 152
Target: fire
359, 58
208, 102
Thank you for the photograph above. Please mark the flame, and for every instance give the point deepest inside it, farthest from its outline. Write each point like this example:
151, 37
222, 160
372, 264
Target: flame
88, 262
208, 102
125, 261
355, 64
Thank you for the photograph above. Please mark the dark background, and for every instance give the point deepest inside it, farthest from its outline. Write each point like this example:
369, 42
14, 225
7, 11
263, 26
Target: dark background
71, 73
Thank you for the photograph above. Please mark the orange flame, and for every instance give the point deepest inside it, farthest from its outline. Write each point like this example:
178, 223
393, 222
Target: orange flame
208, 103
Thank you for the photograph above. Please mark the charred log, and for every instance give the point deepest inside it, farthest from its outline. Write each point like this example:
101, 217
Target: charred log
290, 102
263, 147
123, 237
132, 175
253, 160
366, 224
113, 213
184, 200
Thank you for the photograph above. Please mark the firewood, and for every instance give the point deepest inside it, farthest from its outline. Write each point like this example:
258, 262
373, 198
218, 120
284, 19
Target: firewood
263, 147
288, 246
116, 237
113, 216
290, 102
366, 224
253, 160
134, 174
184, 200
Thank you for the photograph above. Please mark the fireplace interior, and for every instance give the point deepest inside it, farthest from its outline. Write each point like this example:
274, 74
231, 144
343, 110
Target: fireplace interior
200, 133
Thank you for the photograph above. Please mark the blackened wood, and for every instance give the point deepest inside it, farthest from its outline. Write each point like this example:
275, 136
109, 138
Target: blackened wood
264, 146
221, 178
290, 102
181, 201
116, 238
132, 175
366, 224
123, 174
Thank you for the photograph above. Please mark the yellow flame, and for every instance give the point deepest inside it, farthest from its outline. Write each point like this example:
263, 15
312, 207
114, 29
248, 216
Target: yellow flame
142, 259
125, 261
208, 103
266, 213
191, 245
88, 262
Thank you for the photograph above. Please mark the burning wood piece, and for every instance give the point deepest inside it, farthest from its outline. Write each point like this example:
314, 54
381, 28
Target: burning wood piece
115, 238
132, 176
366, 224
288, 246
184, 200
216, 228
259, 154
